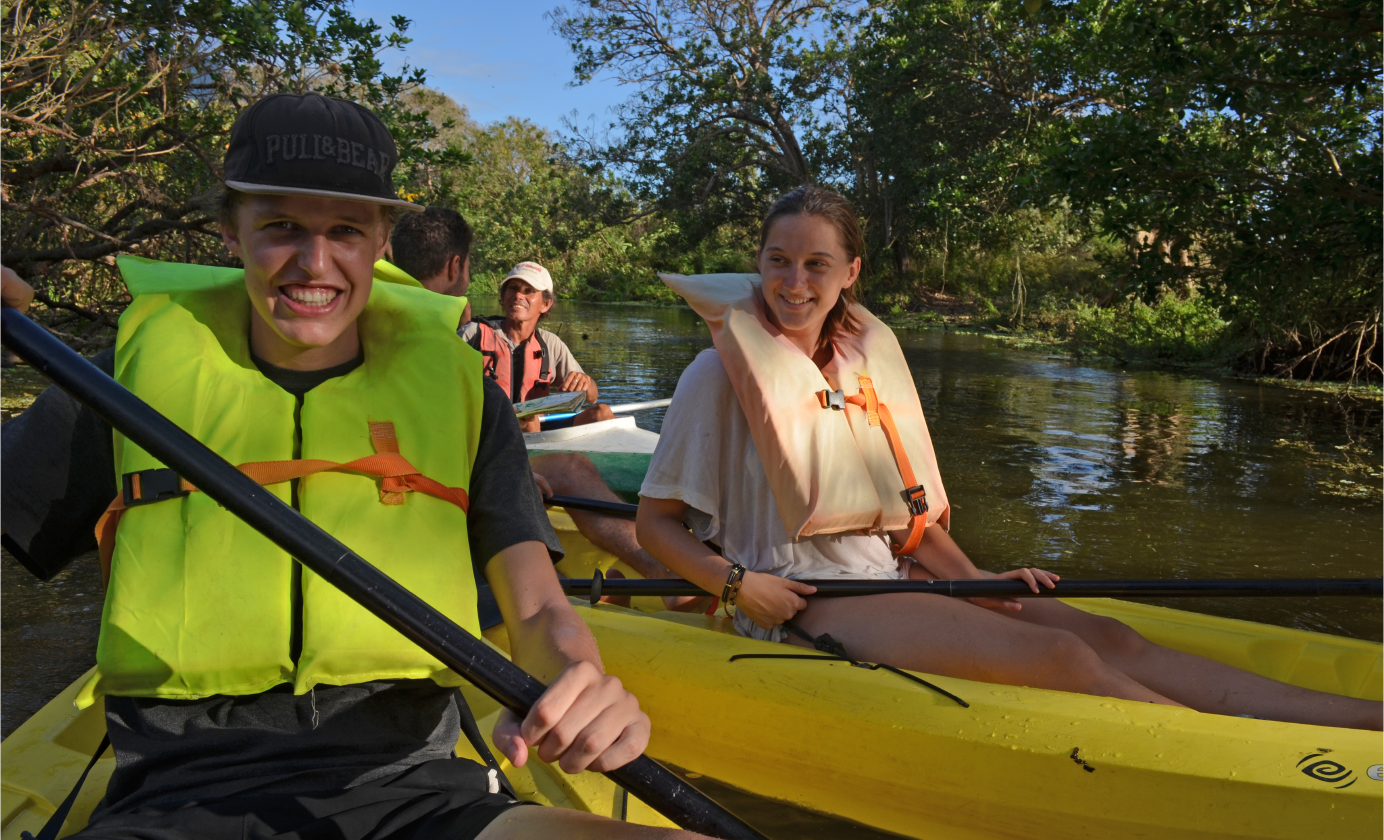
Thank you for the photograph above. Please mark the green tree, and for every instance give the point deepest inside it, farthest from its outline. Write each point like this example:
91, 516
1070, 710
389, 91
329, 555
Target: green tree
735, 100
951, 97
1247, 133
517, 186
113, 122
1234, 145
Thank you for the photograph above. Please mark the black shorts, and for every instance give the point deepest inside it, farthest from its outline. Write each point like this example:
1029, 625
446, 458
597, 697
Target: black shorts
436, 800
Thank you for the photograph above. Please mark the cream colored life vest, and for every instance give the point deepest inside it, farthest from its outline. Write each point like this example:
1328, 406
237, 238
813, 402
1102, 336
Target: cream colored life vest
828, 456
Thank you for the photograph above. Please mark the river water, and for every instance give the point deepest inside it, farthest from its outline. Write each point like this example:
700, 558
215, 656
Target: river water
1088, 470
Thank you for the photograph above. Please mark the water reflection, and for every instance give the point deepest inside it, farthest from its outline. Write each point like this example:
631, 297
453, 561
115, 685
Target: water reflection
49, 634
1109, 473
636, 352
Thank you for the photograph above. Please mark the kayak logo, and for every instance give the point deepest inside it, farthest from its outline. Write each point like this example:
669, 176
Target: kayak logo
1328, 771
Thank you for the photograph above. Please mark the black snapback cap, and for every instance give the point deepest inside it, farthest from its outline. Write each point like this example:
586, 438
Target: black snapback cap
310, 144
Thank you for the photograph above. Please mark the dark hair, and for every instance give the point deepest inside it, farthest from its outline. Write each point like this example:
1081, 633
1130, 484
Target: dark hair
816, 201
228, 202
424, 243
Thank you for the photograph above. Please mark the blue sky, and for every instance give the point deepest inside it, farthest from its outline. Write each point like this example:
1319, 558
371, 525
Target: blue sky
499, 58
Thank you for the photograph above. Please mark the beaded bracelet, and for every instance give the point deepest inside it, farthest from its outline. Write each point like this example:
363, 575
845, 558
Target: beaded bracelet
732, 587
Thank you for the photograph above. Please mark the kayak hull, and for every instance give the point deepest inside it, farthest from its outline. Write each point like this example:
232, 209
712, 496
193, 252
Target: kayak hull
879, 749
873, 747
884, 751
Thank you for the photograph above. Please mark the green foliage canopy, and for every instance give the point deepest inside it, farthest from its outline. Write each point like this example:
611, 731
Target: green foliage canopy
735, 100
113, 123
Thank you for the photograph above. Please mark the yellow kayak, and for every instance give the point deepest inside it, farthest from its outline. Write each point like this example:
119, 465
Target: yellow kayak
885, 752
873, 747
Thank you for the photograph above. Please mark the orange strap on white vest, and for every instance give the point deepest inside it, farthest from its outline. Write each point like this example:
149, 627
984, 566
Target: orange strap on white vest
396, 475
877, 414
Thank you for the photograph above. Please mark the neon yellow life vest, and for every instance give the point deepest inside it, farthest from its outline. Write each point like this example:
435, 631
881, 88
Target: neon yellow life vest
199, 603
830, 471
391, 273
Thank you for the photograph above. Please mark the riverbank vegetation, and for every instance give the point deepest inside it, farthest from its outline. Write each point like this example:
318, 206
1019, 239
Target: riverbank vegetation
1178, 182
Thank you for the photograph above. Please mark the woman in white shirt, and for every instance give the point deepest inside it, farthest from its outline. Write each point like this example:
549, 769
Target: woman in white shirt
707, 474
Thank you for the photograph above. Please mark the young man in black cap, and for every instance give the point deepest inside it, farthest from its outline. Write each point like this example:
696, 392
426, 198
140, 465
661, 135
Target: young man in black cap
245, 697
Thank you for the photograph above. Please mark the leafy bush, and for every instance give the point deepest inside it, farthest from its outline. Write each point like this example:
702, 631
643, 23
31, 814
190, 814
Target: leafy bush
115, 117
1181, 332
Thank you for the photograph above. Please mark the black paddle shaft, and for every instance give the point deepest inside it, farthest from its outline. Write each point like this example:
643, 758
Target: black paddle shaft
506, 682
1308, 587
620, 509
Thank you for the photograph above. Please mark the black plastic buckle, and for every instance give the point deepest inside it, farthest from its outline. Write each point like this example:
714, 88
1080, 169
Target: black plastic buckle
835, 400
826, 644
597, 578
155, 485
916, 499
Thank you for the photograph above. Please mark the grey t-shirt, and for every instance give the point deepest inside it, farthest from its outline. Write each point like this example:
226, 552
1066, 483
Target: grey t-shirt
57, 459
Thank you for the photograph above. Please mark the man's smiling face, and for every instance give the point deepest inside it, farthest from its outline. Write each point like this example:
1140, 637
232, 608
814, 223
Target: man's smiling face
521, 302
309, 264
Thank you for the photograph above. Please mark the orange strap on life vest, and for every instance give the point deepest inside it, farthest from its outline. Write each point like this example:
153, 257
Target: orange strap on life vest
538, 375
397, 476
877, 414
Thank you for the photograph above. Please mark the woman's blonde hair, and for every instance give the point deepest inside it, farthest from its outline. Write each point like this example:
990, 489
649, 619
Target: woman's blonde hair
823, 203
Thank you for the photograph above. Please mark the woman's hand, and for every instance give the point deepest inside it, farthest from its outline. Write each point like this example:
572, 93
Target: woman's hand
770, 600
14, 291
585, 720
544, 488
1033, 577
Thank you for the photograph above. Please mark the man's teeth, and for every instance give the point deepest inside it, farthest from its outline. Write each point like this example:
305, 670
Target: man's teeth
311, 296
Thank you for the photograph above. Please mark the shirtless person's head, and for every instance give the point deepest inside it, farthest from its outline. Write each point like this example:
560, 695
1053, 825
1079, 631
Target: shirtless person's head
434, 247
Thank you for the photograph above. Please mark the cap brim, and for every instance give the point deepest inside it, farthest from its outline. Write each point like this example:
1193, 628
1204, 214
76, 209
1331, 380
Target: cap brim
528, 280
266, 189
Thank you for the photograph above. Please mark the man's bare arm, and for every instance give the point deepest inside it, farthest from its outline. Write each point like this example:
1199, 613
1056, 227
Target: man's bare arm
586, 719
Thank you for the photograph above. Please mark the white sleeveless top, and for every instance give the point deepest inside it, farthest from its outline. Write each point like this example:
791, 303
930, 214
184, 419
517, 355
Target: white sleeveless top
707, 458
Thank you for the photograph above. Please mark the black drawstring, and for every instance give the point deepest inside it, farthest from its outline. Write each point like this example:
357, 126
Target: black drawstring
837, 653
825, 643
54, 825
473, 735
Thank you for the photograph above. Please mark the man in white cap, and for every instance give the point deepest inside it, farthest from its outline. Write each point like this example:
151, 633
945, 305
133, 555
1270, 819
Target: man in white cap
525, 361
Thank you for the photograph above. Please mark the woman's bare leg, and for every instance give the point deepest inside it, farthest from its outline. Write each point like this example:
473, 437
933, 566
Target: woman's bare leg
593, 414
1203, 684
956, 638
530, 823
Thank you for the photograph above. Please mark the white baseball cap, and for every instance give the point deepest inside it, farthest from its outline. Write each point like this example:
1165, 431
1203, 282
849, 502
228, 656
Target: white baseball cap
533, 274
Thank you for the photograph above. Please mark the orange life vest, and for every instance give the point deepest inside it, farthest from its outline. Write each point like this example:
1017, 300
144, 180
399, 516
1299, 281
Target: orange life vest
499, 363
844, 447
